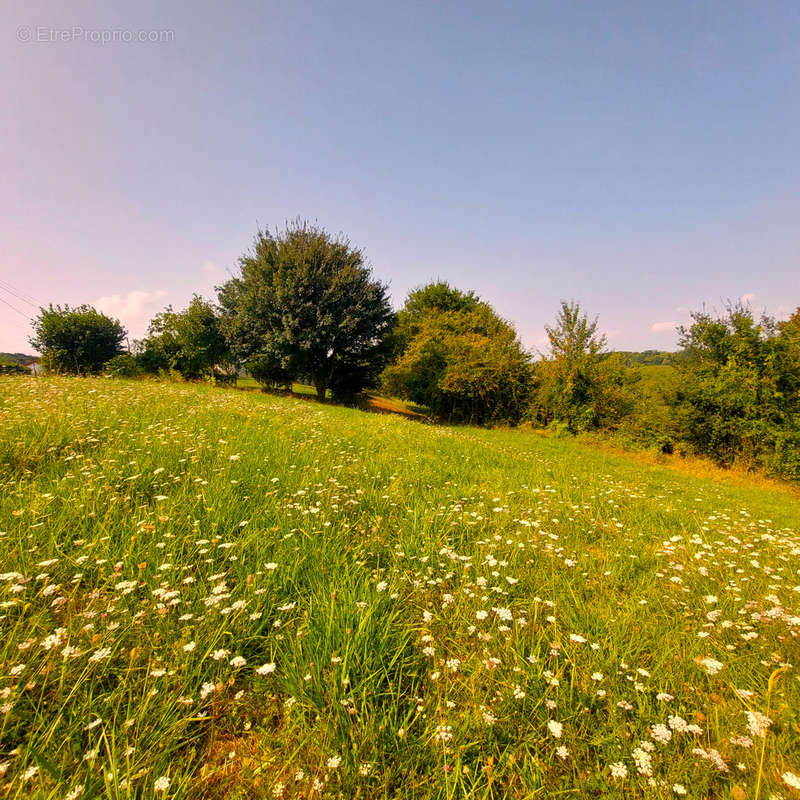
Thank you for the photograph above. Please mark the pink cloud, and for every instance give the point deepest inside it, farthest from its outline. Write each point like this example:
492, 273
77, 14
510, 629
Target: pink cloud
661, 327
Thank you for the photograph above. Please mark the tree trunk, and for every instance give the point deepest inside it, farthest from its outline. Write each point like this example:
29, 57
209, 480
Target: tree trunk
321, 386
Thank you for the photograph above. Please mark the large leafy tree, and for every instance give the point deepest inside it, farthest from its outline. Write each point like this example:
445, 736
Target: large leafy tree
580, 385
432, 298
189, 342
305, 305
459, 358
739, 393
76, 341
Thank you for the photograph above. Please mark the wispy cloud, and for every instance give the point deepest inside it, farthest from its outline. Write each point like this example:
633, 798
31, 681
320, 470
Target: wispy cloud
660, 327
747, 298
133, 309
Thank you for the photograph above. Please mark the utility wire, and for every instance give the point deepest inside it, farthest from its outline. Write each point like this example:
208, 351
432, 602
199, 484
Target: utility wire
17, 289
18, 293
14, 308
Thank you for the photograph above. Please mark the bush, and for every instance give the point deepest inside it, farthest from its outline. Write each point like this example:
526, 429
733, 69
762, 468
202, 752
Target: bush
739, 395
579, 385
269, 372
125, 365
7, 368
76, 341
189, 342
459, 358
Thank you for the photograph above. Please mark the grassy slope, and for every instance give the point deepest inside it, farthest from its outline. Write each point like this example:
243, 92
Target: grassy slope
155, 532
297, 388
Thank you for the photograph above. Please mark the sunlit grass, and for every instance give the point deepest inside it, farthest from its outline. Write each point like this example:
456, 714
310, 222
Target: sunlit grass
211, 593
302, 389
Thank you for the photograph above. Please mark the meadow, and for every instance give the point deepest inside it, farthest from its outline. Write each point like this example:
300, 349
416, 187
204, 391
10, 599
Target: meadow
208, 593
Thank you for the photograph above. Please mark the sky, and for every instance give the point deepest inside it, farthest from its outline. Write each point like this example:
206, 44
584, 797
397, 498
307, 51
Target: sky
638, 157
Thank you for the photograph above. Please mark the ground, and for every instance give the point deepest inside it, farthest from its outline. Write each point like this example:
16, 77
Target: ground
212, 593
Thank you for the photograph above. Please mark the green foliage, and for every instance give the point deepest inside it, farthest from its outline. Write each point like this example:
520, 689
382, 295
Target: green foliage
739, 395
460, 359
647, 357
438, 296
125, 365
189, 342
580, 386
268, 371
16, 358
306, 305
432, 298
652, 423
12, 368
12, 363
76, 341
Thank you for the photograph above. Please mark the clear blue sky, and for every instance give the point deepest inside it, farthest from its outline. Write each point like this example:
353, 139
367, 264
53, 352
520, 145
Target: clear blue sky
641, 158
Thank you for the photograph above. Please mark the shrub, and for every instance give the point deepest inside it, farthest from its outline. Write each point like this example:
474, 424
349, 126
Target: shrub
189, 342
579, 385
269, 373
76, 341
125, 365
459, 358
739, 395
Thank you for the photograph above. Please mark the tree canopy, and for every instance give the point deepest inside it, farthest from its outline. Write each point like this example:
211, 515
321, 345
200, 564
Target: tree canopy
189, 341
579, 385
739, 393
459, 358
305, 305
76, 341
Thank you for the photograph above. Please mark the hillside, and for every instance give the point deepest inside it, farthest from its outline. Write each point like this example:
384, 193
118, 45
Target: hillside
225, 594
16, 358
648, 357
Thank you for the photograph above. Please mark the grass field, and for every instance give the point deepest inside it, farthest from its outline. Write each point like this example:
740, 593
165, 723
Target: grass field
222, 594
246, 382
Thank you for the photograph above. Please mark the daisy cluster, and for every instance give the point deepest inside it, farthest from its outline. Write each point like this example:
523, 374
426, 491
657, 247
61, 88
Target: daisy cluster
212, 593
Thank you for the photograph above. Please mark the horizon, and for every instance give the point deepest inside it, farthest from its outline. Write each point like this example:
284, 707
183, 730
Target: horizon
638, 160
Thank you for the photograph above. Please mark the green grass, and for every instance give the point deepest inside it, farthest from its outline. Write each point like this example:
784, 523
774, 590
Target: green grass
247, 382
444, 608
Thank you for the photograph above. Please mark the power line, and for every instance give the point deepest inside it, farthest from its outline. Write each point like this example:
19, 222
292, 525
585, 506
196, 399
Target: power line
17, 296
17, 289
14, 308
18, 293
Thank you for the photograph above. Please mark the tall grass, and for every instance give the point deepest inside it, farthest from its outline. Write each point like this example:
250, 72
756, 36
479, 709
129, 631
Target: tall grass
223, 594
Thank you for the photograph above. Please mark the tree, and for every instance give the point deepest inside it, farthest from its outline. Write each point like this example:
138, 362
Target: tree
305, 305
189, 342
574, 338
459, 358
76, 341
579, 385
739, 393
432, 298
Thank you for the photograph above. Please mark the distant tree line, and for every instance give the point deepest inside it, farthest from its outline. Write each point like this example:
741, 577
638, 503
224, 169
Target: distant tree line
647, 357
305, 307
17, 358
